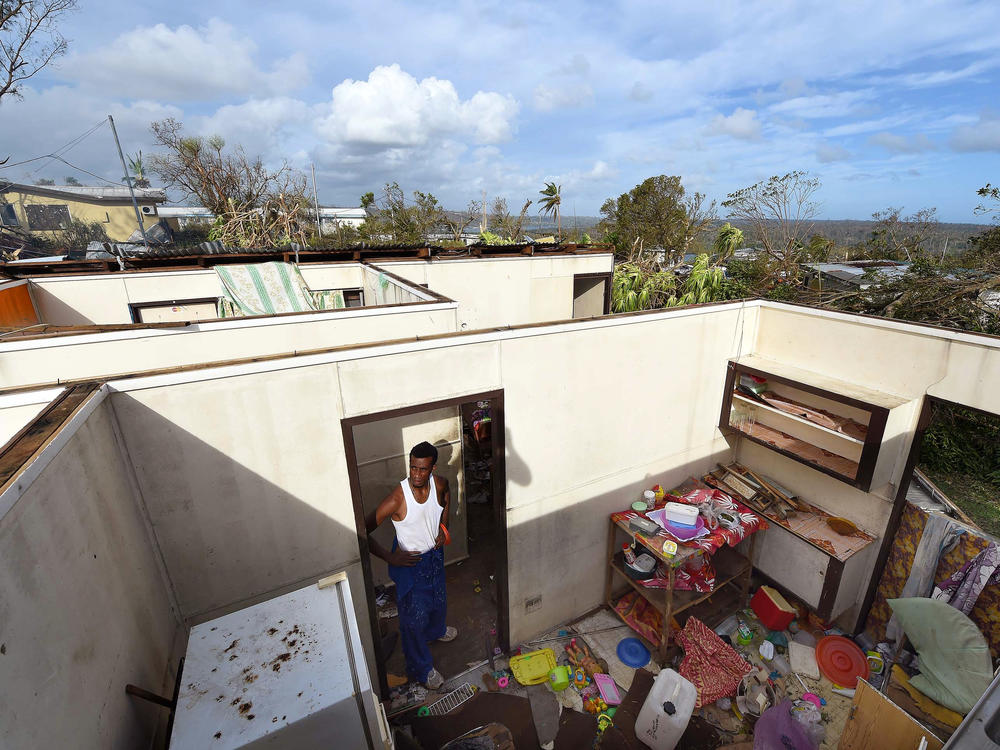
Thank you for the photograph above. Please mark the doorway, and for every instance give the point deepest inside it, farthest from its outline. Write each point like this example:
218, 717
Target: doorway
468, 432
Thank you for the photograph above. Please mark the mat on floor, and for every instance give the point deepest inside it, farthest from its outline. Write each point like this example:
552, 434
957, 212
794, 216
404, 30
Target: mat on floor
605, 645
510, 710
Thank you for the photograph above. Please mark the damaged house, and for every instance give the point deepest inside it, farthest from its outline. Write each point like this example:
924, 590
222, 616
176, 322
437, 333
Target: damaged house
193, 444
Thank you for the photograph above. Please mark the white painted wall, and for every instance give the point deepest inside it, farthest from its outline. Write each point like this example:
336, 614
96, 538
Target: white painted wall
246, 478
505, 291
83, 607
60, 358
103, 299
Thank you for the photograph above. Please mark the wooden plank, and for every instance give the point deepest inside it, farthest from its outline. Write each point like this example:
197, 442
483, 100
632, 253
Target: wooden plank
37, 434
875, 721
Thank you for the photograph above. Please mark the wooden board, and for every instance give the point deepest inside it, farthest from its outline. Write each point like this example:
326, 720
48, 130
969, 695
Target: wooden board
875, 721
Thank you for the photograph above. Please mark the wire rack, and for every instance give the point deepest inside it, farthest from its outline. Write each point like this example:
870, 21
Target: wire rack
453, 700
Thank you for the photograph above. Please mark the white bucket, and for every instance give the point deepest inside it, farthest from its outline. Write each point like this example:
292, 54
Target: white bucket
667, 710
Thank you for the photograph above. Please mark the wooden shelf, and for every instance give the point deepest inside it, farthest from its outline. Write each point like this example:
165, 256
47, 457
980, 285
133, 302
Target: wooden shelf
729, 565
800, 420
837, 466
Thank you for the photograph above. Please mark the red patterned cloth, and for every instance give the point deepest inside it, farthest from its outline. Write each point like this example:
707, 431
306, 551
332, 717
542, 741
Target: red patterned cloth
750, 522
709, 663
686, 578
641, 616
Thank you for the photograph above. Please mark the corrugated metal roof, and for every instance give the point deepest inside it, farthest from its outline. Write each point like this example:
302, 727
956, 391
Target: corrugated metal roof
112, 192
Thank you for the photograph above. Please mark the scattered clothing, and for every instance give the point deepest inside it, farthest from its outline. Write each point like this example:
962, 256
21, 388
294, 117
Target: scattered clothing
963, 588
422, 603
939, 534
709, 663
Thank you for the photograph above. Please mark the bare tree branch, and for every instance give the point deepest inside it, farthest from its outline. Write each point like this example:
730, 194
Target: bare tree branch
29, 40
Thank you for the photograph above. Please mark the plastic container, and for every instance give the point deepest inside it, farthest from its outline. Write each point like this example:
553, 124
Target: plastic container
727, 626
644, 567
534, 667
650, 497
681, 514
559, 677
771, 608
667, 710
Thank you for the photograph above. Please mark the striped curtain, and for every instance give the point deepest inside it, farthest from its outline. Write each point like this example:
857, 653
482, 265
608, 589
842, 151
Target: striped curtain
263, 289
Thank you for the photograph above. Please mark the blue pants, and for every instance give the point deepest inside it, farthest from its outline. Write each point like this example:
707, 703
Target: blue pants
422, 605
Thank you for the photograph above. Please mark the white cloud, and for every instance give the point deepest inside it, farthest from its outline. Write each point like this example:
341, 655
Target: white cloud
392, 109
901, 144
980, 136
824, 105
561, 96
831, 152
184, 64
742, 124
866, 126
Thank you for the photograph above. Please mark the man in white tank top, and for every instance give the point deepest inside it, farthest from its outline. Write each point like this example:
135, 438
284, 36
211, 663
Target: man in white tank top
419, 509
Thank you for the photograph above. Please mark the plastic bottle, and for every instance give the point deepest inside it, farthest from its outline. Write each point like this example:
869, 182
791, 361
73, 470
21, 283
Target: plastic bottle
628, 553
667, 710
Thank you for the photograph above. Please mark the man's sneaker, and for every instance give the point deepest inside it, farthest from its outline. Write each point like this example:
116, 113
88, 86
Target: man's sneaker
434, 679
450, 634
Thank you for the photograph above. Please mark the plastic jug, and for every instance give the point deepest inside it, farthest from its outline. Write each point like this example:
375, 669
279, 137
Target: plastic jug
667, 710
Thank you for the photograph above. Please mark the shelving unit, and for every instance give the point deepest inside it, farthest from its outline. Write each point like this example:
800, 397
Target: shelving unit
731, 568
802, 431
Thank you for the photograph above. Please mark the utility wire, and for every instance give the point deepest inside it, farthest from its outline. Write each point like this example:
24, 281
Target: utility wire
72, 144
64, 148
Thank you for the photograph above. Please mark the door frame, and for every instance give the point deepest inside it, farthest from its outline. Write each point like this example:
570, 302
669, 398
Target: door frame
499, 480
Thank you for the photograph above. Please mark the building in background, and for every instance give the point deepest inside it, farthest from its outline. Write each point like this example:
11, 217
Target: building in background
47, 210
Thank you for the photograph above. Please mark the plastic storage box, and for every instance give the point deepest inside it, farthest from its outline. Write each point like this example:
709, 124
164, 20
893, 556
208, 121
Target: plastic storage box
681, 514
772, 608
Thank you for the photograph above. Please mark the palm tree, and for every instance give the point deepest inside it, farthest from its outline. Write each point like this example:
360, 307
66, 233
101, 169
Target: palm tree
138, 170
551, 203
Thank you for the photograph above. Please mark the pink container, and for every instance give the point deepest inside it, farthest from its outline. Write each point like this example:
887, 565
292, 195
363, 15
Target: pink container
608, 688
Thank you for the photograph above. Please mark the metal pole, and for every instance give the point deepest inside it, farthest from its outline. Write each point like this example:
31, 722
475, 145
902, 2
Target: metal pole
319, 221
131, 191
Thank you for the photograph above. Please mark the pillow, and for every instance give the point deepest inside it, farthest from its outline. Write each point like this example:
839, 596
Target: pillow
955, 664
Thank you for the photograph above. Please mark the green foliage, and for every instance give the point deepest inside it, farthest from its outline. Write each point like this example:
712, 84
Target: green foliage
75, 236
492, 238
392, 218
746, 277
650, 216
44, 181
961, 440
72, 181
727, 241
585, 239
703, 284
634, 287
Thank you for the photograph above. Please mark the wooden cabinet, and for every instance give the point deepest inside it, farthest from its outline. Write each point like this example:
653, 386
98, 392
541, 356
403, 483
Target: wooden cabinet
836, 427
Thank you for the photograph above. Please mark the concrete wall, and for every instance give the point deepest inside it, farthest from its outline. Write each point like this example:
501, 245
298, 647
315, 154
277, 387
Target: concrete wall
383, 448
246, 478
83, 607
44, 360
104, 299
893, 357
505, 291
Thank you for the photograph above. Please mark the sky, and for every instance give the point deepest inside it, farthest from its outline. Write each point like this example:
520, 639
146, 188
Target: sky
887, 103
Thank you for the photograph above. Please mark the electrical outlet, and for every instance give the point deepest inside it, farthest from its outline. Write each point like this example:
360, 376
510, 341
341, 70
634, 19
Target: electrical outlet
533, 603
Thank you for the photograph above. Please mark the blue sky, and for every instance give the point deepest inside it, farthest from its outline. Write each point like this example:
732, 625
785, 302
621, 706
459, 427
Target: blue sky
889, 103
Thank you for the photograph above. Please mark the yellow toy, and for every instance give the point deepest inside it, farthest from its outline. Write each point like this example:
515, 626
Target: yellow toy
593, 704
580, 679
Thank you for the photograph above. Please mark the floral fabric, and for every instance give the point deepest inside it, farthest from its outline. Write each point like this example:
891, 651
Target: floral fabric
710, 664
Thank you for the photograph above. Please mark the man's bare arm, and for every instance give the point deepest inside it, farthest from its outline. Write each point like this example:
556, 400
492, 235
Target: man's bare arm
375, 519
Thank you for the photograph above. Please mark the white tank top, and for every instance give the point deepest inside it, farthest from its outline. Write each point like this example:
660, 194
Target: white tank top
418, 531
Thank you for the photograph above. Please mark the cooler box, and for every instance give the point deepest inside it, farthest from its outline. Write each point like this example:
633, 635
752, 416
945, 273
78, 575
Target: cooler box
772, 609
